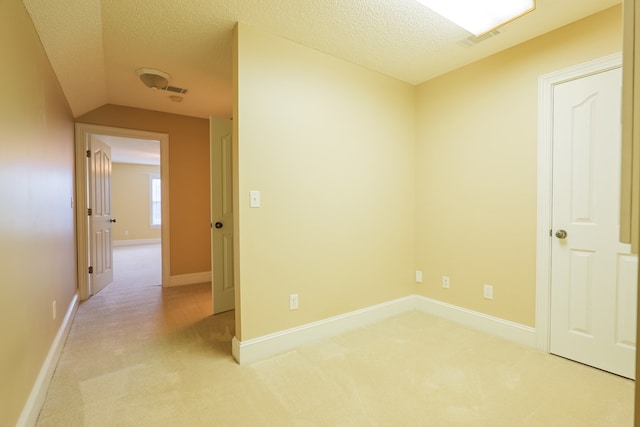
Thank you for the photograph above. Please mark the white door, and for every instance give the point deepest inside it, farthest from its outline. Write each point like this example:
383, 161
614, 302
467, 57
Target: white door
593, 276
222, 215
100, 237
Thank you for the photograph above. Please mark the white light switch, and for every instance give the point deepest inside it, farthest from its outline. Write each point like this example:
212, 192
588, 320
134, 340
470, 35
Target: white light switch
254, 199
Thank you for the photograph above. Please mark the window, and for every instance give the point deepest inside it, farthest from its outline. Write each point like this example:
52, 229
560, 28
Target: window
155, 205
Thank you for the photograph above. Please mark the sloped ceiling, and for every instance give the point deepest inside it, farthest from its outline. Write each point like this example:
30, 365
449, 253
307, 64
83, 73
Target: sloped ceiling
95, 46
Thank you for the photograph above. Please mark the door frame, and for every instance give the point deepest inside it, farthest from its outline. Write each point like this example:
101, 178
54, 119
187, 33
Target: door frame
83, 132
546, 84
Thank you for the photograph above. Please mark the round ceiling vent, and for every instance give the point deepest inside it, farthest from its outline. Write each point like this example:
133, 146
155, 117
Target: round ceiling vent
155, 79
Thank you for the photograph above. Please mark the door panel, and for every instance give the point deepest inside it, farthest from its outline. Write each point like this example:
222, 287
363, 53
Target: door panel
222, 215
100, 220
580, 290
593, 286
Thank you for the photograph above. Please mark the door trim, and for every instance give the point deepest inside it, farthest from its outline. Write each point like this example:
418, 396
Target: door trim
83, 131
546, 85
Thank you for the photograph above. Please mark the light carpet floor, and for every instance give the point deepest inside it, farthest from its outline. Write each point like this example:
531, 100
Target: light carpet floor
147, 356
137, 265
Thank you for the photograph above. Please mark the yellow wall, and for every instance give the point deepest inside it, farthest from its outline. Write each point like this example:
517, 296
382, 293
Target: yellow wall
189, 209
331, 147
37, 242
131, 201
476, 168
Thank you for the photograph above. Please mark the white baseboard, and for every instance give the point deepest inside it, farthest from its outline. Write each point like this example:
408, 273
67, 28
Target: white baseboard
136, 242
32, 407
506, 329
189, 279
260, 348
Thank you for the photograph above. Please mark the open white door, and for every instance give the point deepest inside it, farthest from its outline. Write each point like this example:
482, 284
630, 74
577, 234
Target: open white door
100, 237
593, 275
222, 215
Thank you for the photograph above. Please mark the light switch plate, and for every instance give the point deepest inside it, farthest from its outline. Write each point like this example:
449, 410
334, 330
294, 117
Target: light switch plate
254, 199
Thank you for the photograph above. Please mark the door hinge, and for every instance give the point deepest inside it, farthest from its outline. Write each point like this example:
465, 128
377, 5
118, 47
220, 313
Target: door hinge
90, 270
89, 153
89, 212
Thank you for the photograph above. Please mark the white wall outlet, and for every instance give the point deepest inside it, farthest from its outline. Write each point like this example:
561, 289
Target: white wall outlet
293, 302
254, 198
445, 282
418, 276
126, 232
488, 291
53, 309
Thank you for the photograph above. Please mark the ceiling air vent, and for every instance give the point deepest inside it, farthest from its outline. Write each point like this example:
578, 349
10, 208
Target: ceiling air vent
176, 89
473, 40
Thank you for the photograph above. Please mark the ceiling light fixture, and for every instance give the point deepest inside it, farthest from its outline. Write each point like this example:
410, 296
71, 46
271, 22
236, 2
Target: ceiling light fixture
155, 79
480, 17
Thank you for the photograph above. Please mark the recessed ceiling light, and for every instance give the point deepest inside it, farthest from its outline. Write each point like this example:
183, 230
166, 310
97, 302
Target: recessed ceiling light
480, 17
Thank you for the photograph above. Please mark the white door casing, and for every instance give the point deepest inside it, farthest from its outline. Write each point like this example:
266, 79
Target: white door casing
592, 299
100, 236
546, 84
222, 215
83, 135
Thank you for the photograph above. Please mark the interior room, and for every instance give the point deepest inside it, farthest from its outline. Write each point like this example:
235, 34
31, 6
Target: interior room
385, 184
136, 205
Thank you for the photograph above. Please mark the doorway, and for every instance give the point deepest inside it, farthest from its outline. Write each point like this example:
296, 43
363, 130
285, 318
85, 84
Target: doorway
136, 208
128, 146
585, 277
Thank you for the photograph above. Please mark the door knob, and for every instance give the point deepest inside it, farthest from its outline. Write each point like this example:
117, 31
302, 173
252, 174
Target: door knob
112, 220
218, 225
561, 234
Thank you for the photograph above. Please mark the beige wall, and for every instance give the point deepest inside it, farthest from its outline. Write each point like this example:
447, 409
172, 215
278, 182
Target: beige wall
476, 168
190, 233
131, 201
331, 147
37, 246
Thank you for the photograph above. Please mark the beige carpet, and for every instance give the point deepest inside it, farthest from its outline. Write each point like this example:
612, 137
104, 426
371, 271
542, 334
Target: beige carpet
138, 265
144, 356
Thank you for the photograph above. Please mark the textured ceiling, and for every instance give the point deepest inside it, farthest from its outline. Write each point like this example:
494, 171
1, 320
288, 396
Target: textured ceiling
95, 46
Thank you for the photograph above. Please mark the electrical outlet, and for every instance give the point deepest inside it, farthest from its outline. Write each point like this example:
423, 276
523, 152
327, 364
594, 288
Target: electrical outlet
293, 302
488, 291
53, 309
445, 282
418, 276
